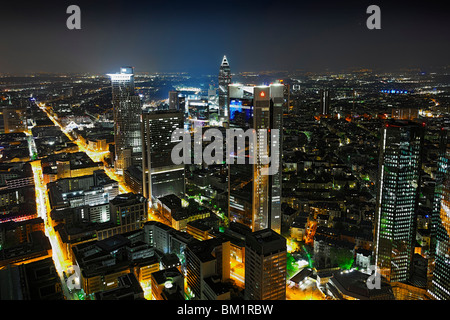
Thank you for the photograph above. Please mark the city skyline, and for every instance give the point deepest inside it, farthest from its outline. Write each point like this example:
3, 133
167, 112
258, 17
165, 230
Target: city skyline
224, 151
353, 190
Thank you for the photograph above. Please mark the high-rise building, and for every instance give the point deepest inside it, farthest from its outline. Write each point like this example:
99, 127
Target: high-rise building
324, 102
278, 100
397, 198
287, 98
160, 175
255, 197
439, 262
127, 118
224, 81
174, 103
265, 266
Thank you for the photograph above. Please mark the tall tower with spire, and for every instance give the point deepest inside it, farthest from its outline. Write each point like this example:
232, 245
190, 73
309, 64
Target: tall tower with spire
224, 81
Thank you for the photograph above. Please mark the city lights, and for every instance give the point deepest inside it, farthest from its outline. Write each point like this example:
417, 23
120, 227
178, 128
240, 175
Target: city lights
267, 159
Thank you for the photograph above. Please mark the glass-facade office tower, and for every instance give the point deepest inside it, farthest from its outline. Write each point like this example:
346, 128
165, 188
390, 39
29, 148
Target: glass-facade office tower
265, 266
160, 175
254, 197
224, 81
127, 120
439, 260
397, 198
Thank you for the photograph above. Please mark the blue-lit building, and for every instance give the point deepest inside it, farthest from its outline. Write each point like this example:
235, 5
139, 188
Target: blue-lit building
255, 197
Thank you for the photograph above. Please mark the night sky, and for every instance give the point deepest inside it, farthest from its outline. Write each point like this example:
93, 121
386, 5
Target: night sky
192, 36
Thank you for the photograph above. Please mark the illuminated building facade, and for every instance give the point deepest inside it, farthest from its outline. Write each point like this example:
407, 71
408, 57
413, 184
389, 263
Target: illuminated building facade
405, 113
205, 259
254, 197
17, 204
265, 266
89, 190
15, 119
439, 268
133, 178
224, 81
19, 232
115, 256
127, 118
324, 102
128, 209
160, 176
397, 198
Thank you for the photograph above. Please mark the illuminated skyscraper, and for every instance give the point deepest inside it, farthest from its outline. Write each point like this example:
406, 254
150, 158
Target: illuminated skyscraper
160, 176
324, 102
439, 260
397, 198
255, 197
265, 266
224, 81
127, 120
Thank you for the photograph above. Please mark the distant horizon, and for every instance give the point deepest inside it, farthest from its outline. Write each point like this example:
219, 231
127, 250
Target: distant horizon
427, 69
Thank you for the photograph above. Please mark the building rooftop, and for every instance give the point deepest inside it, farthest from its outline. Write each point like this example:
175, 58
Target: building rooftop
113, 243
38, 245
200, 225
171, 201
217, 286
170, 260
127, 199
301, 275
33, 281
169, 274
128, 289
354, 284
265, 241
203, 249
